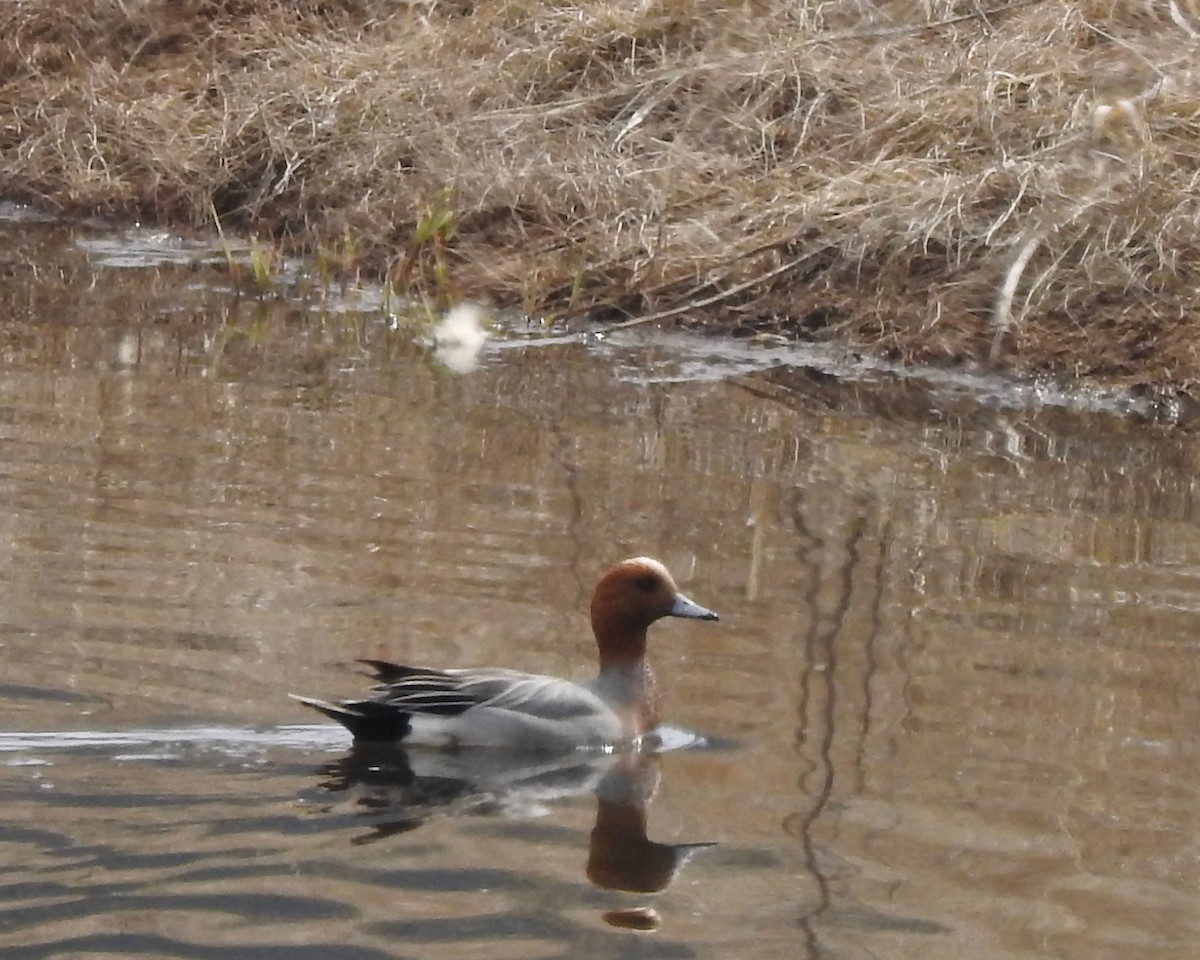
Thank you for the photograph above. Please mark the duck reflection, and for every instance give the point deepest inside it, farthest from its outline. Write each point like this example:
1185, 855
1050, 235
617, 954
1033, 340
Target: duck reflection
399, 789
620, 854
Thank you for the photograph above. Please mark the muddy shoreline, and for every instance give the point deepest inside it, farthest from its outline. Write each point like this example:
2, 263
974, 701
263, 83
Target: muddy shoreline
183, 285
1008, 188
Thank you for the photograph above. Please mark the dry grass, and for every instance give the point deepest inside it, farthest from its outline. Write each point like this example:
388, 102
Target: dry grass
947, 180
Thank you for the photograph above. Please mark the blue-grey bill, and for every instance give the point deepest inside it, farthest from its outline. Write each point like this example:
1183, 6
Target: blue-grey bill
683, 607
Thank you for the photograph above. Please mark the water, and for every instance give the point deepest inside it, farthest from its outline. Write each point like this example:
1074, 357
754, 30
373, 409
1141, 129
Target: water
955, 685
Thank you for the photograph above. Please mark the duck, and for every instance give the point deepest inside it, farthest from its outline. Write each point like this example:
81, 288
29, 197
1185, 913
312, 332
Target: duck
528, 712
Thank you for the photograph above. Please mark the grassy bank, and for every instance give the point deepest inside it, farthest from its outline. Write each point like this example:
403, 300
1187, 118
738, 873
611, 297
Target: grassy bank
956, 180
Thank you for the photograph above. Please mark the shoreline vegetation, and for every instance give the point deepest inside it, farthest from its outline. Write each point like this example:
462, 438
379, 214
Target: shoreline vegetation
1014, 185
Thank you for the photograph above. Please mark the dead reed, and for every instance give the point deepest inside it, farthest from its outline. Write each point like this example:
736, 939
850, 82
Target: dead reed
948, 181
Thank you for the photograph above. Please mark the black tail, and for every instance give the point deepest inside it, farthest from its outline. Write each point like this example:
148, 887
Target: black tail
365, 719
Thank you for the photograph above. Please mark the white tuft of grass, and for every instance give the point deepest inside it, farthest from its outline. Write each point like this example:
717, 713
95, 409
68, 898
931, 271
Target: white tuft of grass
459, 337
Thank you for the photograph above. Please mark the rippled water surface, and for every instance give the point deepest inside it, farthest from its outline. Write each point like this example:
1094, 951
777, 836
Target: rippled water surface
956, 681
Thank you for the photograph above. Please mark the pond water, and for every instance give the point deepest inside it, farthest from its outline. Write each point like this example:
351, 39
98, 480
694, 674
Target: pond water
955, 689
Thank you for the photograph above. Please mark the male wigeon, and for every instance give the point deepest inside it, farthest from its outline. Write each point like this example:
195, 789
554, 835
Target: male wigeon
525, 711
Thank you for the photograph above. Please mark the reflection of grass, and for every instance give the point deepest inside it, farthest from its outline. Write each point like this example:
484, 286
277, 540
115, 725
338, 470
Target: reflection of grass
305, 345
950, 179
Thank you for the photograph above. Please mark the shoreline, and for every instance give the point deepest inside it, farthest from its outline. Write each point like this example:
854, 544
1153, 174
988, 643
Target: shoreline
1010, 188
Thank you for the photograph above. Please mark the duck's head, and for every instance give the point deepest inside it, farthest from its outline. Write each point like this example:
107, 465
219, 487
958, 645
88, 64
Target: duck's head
630, 597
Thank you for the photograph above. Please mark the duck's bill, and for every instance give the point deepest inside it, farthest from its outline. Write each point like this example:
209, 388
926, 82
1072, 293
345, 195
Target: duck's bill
689, 609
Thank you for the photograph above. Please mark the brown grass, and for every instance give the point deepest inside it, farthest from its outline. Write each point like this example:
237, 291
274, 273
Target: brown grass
947, 180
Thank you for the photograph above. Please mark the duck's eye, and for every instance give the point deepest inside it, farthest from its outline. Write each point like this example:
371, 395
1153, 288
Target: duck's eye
646, 584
